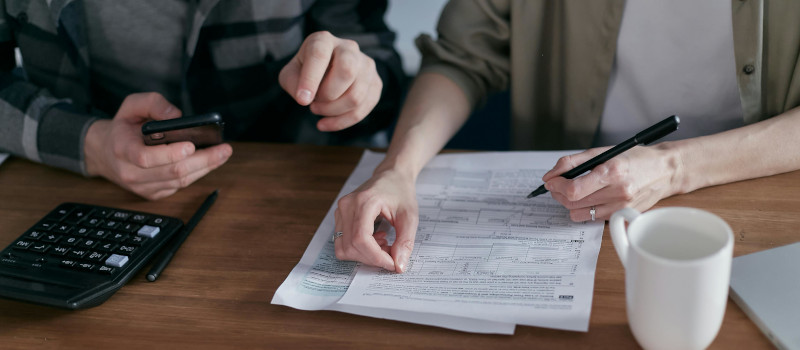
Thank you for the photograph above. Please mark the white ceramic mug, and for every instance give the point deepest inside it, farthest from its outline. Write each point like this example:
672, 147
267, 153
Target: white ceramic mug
677, 271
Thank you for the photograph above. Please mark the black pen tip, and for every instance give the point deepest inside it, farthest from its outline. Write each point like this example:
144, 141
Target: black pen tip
151, 277
537, 191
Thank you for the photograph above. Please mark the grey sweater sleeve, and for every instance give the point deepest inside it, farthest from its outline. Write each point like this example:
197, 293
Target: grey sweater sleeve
39, 127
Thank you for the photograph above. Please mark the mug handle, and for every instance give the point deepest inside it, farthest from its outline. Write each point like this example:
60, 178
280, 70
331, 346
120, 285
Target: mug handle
618, 234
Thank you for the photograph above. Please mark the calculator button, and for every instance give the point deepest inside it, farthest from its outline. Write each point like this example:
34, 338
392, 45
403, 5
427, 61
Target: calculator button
137, 240
93, 222
45, 225
71, 241
67, 263
62, 228
35, 234
106, 247
89, 244
117, 237
85, 266
59, 250
117, 260
130, 227
157, 221
77, 215
95, 256
58, 214
120, 215
101, 234
139, 218
103, 212
22, 245
77, 253
38, 247
126, 249
110, 224
107, 270
83, 231
51, 238
148, 231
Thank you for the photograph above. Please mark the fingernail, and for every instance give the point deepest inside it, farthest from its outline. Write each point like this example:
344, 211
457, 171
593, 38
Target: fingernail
402, 260
224, 153
304, 96
186, 151
169, 110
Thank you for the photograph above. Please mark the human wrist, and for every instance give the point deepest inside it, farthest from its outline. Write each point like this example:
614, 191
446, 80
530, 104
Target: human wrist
93, 146
673, 153
397, 168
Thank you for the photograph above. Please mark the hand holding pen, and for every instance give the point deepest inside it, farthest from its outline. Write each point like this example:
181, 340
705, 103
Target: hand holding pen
639, 177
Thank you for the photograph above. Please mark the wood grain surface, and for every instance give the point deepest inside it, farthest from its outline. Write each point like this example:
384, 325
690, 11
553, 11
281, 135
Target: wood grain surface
216, 292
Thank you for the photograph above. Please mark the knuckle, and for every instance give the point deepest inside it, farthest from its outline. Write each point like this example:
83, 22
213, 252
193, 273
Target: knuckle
152, 97
615, 169
628, 192
321, 35
563, 161
409, 244
352, 100
119, 150
363, 197
350, 44
185, 181
574, 215
348, 66
128, 177
179, 170
318, 51
140, 159
571, 193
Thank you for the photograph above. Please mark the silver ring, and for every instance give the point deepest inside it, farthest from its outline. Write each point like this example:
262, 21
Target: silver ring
592, 211
336, 235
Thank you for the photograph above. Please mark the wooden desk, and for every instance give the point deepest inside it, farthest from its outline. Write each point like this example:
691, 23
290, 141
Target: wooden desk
216, 292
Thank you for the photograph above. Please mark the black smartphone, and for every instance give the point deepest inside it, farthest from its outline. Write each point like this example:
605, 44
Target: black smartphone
202, 130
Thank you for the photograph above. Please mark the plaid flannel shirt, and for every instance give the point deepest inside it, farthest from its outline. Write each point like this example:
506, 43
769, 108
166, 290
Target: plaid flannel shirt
233, 54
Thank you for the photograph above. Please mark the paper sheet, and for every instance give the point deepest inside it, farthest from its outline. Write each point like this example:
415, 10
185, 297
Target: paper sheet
485, 257
319, 280
3, 157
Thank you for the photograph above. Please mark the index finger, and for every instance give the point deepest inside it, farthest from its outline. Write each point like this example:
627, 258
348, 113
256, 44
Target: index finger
566, 163
315, 57
362, 243
154, 156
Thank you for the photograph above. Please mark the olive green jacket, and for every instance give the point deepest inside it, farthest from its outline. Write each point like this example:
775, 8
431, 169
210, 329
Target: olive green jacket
556, 58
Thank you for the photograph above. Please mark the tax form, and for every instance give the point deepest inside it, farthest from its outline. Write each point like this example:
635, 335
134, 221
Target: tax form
484, 255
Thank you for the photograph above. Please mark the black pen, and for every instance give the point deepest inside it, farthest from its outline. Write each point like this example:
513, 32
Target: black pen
645, 137
166, 255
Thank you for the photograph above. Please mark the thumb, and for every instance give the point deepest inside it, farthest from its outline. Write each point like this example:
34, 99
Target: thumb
147, 106
406, 228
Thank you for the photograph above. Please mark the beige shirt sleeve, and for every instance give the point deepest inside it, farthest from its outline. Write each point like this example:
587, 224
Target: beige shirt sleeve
472, 48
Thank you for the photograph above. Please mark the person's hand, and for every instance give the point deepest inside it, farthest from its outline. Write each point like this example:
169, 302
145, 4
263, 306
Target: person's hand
334, 78
115, 150
637, 178
388, 194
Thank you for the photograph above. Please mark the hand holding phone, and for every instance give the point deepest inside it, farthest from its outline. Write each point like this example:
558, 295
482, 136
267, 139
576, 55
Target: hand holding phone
202, 130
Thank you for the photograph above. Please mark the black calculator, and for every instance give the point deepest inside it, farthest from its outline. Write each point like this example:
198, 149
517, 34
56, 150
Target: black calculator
78, 255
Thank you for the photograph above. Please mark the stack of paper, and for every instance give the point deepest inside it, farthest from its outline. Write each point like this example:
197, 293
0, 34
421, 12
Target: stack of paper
485, 258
